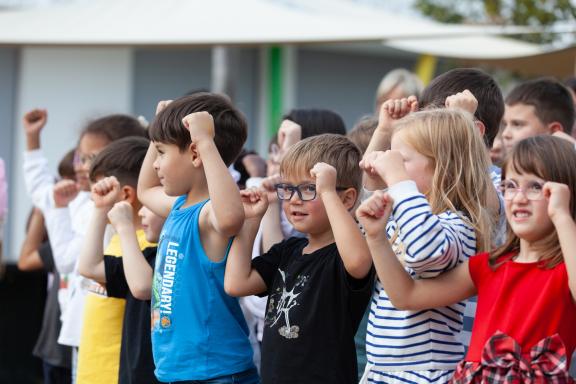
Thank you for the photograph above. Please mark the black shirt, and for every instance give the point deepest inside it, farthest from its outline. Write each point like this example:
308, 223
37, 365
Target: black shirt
136, 363
313, 311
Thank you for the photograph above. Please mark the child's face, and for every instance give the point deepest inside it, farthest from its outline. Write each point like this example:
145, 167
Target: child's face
88, 148
305, 216
151, 224
174, 168
520, 122
526, 209
418, 167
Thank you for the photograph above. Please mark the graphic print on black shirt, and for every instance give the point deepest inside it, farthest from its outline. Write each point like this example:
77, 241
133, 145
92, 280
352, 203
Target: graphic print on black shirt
281, 301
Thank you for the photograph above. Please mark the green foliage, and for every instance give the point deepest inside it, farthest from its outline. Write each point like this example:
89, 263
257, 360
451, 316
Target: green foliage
534, 13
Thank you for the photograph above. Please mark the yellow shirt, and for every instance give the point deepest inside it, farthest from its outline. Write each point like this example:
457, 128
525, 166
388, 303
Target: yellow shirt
99, 352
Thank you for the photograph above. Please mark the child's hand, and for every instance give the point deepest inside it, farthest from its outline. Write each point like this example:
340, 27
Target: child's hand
121, 215
106, 192
200, 125
64, 192
162, 104
463, 100
255, 202
373, 214
388, 165
289, 134
269, 186
558, 196
395, 109
325, 176
34, 121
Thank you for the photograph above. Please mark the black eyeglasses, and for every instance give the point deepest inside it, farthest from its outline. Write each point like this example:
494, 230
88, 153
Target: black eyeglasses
533, 191
306, 192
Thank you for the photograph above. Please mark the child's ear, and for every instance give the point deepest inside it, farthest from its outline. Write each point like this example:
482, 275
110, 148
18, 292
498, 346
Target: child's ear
555, 127
195, 155
349, 197
480, 126
129, 195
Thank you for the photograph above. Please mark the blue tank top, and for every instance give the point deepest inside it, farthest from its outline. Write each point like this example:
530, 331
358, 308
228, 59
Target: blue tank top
198, 331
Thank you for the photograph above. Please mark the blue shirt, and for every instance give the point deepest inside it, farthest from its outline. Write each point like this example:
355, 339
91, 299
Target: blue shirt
198, 331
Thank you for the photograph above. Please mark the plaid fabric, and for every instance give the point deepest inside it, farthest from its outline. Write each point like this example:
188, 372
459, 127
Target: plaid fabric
503, 363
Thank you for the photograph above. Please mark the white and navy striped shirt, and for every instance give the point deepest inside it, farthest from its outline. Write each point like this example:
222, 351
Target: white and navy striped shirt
430, 244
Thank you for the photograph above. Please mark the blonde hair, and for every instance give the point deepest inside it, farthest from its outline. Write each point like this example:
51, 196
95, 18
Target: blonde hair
458, 159
552, 159
336, 150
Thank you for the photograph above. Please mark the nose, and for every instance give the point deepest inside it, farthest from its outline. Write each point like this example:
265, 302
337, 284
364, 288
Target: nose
295, 198
155, 164
520, 196
506, 132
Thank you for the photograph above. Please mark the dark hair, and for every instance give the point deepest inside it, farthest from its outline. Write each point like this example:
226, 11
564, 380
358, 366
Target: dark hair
66, 166
316, 121
122, 158
490, 101
552, 159
363, 131
240, 166
229, 123
571, 83
551, 100
114, 127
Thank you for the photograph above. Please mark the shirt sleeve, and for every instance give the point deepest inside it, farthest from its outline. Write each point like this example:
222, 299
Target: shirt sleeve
267, 264
38, 179
116, 284
432, 243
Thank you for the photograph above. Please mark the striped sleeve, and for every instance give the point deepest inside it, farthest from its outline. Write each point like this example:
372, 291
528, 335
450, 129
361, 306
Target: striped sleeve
432, 244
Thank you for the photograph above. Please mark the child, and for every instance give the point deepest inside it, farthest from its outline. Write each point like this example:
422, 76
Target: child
524, 330
198, 331
110, 329
537, 107
436, 173
318, 286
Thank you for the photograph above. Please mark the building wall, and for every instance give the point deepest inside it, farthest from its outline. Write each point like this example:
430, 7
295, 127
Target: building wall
75, 85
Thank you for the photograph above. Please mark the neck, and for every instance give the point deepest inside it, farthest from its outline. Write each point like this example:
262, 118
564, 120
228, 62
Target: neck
319, 240
528, 252
198, 193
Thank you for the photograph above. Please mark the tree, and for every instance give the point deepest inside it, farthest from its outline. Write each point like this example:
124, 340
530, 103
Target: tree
534, 13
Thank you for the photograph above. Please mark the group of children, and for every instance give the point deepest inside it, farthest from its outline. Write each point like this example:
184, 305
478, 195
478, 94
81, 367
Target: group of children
414, 225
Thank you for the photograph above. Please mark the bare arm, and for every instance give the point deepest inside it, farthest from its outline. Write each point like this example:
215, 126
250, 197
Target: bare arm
150, 191
240, 278
29, 259
405, 292
351, 245
137, 271
271, 222
226, 214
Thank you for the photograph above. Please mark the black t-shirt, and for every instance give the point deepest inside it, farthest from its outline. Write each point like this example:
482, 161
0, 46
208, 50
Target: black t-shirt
136, 363
313, 311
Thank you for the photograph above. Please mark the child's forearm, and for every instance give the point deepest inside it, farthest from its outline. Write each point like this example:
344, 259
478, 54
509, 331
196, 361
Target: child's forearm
350, 242
29, 259
137, 271
271, 227
378, 142
91, 261
150, 191
226, 206
566, 229
240, 279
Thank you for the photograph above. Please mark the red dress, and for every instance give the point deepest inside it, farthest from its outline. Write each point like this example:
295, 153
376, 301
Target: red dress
525, 325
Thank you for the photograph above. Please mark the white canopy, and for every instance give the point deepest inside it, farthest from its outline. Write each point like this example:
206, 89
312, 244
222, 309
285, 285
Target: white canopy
247, 22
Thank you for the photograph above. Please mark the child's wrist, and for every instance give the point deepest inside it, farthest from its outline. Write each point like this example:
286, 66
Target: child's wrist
124, 228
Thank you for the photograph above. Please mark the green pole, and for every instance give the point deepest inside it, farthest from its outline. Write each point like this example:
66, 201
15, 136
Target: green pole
275, 90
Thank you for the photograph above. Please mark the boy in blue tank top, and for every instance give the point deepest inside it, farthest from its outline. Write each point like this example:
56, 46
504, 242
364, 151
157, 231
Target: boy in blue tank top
198, 331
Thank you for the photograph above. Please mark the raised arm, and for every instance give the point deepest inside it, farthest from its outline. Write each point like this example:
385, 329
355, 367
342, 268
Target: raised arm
150, 190
389, 111
240, 278
349, 241
405, 292
432, 243
559, 211
226, 214
29, 259
137, 271
271, 222
105, 194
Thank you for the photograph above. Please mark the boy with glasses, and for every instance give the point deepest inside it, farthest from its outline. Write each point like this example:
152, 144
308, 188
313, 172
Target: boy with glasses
318, 286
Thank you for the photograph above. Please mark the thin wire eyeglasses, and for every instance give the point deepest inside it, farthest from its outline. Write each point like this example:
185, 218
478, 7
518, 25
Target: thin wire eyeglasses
533, 190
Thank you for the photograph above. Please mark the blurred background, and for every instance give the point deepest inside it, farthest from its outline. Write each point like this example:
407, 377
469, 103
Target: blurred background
81, 59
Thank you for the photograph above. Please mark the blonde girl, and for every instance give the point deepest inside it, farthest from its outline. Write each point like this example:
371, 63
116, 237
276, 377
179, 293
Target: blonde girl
524, 330
436, 173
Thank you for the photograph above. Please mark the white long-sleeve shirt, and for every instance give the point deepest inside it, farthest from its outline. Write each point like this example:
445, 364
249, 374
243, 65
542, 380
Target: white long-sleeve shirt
428, 244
